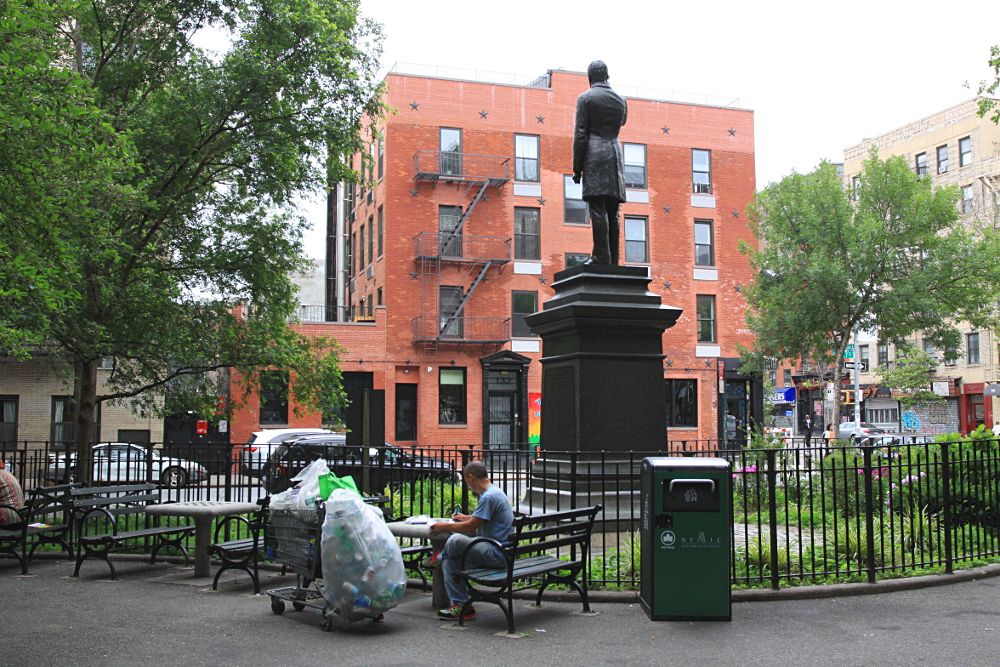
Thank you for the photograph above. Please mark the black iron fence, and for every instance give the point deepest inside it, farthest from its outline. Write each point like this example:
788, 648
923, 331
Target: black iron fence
830, 512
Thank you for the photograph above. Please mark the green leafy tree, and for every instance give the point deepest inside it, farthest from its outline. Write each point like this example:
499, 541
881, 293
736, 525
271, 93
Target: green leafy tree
62, 167
223, 141
886, 256
910, 376
987, 104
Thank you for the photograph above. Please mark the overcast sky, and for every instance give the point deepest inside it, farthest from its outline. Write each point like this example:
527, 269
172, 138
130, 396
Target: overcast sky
819, 78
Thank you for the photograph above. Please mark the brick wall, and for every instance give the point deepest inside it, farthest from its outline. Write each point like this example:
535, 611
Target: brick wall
410, 208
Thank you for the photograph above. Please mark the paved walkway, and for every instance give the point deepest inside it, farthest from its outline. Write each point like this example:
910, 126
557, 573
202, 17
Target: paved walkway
51, 619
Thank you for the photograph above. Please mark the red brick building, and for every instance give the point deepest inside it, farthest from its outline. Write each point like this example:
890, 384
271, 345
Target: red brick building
470, 212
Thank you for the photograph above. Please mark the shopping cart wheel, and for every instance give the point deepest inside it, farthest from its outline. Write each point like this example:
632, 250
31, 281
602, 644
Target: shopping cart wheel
326, 623
277, 606
298, 606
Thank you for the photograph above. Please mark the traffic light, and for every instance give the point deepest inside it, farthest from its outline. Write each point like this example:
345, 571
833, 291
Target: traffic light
847, 396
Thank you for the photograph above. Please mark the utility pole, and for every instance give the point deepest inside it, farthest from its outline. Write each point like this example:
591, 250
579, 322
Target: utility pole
857, 383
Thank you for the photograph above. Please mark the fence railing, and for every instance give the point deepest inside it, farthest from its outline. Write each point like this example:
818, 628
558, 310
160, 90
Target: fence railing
800, 515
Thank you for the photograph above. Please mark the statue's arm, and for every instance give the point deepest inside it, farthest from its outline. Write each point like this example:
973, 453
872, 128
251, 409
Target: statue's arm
581, 136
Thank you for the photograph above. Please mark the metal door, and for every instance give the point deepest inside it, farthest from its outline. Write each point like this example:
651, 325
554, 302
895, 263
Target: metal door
502, 420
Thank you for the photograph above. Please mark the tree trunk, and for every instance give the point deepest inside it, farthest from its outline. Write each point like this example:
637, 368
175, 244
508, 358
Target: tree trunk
87, 381
838, 375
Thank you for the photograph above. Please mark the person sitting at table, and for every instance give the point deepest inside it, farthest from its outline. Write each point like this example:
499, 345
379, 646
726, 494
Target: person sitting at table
10, 494
493, 518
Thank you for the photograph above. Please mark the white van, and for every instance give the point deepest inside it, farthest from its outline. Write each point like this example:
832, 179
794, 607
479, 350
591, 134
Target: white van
257, 449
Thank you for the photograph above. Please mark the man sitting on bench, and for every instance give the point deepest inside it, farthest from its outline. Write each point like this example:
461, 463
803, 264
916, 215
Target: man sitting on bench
492, 518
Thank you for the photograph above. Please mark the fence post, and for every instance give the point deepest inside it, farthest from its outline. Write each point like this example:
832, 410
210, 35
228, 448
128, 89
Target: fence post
572, 480
772, 512
227, 455
869, 513
466, 454
946, 505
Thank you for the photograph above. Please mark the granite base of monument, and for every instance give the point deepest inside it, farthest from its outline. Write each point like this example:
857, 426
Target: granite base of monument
602, 361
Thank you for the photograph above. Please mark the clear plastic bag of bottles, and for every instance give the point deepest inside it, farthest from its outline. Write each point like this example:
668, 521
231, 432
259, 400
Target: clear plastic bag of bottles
363, 574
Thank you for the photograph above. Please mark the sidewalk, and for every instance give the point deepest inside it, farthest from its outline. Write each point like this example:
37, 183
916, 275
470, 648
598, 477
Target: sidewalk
49, 618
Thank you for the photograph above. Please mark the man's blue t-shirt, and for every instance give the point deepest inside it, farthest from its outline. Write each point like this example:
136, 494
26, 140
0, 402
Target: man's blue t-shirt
494, 509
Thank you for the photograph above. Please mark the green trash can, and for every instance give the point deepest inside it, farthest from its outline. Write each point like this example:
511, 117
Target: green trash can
686, 537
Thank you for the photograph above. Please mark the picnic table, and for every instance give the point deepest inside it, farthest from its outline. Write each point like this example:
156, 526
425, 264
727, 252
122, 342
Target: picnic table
439, 597
203, 512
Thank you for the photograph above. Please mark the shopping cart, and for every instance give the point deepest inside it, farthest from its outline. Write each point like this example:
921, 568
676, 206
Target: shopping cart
292, 538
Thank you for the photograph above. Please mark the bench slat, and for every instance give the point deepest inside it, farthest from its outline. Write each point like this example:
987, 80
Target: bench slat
579, 540
133, 534
81, 503
101, 490
522, 572
575, 527
236, 545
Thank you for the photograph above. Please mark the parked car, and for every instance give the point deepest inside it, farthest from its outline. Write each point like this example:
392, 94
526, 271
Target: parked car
125, 462
257, 450
388, 465
851, 431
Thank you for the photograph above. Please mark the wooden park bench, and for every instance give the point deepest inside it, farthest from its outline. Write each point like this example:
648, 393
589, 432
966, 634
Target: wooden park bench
240, 553
98, 511
45, 519
533, 561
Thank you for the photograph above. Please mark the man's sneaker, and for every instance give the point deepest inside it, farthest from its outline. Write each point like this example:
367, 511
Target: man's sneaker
454, 612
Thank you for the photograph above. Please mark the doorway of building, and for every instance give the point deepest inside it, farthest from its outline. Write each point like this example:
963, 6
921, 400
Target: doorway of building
505, 401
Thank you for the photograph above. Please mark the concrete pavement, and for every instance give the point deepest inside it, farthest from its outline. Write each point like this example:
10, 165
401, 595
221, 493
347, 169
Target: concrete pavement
146, 618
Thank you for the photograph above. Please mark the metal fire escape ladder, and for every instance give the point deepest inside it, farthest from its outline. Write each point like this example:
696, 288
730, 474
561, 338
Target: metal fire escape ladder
465, 214
465, 298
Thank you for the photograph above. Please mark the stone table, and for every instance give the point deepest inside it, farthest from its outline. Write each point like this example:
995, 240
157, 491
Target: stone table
422, 531
203, 512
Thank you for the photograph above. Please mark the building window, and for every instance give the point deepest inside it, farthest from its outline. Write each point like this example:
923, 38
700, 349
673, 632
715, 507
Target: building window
451, 151
964, 151
8, 421
352, 254
381, 223
575, 259
921, 164
575, 207
864, 356
704, 250
451, 396
855, 187
682, 402
379, 296
972, 348
371, 306
636, 240
63, 427
942, 159
787, 377
522, 305
381, 156
882, 415
967, 198
361, 249
371, 239
449, 240
406, 411
274, 397
706, 318
635, 165
527, 233
450, 319
701, 171
883, 354
525, 157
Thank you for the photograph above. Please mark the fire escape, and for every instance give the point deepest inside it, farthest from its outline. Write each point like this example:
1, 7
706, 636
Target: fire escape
442, 319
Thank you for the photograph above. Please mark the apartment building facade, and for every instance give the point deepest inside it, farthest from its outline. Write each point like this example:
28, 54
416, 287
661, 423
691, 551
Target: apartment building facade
466, 213
954, 147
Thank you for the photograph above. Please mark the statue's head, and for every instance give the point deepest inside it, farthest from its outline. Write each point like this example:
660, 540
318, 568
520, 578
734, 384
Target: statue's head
597, 72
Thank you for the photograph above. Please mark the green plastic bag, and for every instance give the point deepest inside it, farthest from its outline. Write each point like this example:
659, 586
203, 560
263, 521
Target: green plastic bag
328, 482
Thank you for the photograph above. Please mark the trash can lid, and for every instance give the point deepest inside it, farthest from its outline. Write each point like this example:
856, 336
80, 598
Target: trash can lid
686, 462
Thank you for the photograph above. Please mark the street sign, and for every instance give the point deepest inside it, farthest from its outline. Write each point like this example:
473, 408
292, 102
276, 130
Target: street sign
849, 352
862, 365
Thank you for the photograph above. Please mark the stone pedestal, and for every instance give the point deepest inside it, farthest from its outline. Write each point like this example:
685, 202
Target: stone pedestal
602, 361
602, 391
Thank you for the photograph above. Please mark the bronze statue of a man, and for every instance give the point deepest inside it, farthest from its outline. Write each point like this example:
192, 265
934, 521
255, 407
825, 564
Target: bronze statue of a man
597, 157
